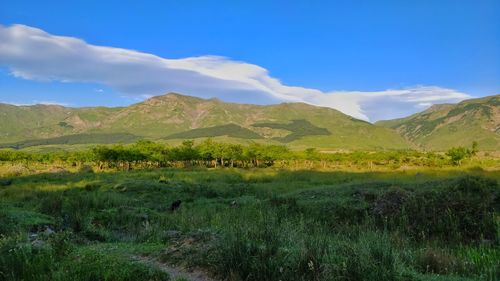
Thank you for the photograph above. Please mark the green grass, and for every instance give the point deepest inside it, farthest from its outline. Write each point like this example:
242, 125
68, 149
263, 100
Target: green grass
251, 224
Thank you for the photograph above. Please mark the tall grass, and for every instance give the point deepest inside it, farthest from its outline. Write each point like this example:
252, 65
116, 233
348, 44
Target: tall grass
251, 225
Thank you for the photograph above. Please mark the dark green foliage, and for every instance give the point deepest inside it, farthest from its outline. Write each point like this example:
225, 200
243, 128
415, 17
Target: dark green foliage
423, 126
494, 101
390, 203
5, 182
359, 120
75, 139
461, 211
298, 128
65, 125
471, 107
438, 261
230, 130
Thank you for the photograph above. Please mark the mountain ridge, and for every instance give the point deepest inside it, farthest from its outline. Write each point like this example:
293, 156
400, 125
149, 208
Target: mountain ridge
175, 116
445, 125
162, 116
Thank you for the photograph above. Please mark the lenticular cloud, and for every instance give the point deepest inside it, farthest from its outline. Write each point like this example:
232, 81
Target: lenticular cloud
34, 54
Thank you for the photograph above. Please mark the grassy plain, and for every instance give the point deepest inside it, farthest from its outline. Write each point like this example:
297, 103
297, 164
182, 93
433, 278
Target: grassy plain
77, 223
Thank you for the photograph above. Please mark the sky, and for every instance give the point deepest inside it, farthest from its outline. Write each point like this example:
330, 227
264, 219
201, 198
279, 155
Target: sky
370, 59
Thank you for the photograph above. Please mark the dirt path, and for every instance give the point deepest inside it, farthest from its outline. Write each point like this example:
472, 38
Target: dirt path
176, 272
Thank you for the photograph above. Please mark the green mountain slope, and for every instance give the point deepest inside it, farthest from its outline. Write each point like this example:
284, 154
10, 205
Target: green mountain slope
19, 123
446, 125
175, 116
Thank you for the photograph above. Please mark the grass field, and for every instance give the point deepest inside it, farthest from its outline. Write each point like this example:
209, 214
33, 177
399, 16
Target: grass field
250, 224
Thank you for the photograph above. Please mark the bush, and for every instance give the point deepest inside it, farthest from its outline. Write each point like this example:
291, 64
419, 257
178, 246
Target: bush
462, 212
437, 261
94, 265
372, 257
390, 203
277, 249
20, 261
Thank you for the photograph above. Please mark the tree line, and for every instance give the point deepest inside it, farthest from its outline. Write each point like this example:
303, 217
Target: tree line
210, 153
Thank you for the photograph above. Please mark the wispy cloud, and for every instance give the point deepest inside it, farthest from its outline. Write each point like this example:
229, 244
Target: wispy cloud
36, 102
34, 54
51, 103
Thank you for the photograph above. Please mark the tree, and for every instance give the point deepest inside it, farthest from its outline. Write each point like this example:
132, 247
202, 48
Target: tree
457, 154
206, 150
185, 152
311, 153
474, 149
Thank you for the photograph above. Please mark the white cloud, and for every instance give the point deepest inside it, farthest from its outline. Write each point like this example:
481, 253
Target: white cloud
51, 103
16, 103
34, 54
36, 102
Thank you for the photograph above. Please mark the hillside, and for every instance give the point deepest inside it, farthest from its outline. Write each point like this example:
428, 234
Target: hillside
442, 126
174, 116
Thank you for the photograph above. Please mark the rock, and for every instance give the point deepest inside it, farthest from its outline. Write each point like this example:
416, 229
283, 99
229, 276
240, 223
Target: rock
38, 244
48, 231
173, 233
40, 231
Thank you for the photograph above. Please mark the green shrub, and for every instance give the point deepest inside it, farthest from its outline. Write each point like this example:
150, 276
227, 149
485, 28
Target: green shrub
371, 257
438, 261
91, 265
462, 212
19, 260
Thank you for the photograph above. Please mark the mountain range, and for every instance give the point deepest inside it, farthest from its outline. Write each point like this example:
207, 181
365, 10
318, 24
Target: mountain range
445, 125
173, 117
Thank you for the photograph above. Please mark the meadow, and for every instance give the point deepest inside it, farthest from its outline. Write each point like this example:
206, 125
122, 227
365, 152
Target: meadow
309, 216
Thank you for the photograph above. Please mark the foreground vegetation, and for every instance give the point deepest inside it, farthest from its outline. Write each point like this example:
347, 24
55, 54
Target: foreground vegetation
145, 210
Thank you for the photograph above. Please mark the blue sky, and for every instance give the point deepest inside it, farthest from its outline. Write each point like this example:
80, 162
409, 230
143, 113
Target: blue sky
371, 59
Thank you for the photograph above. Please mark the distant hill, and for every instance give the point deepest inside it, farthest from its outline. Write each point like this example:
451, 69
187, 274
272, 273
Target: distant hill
446, 125
173, 116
